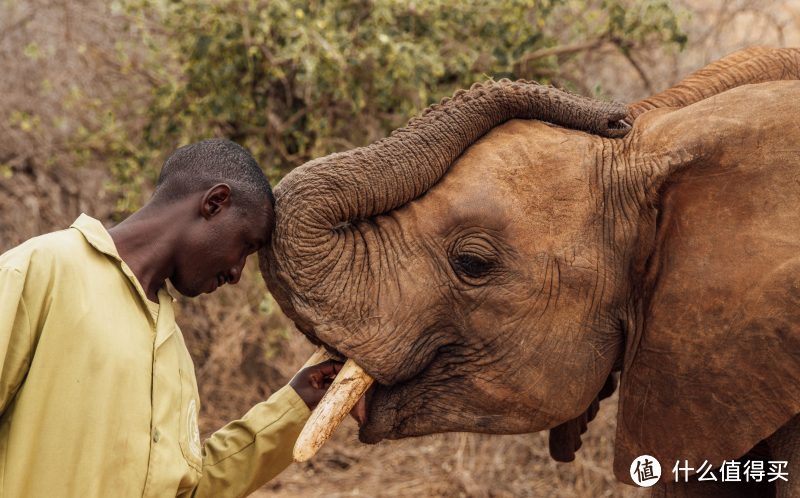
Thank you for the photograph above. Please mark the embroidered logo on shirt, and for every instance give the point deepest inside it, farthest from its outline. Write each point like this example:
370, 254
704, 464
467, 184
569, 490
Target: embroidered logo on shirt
192, 430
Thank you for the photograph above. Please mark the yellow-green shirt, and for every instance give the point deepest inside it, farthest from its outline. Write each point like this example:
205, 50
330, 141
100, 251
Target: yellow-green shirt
98, 396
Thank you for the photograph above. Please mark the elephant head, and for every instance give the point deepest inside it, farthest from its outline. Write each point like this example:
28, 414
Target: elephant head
493, 262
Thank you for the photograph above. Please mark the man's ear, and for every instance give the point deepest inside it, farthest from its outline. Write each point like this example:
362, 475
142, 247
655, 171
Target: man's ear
215, 198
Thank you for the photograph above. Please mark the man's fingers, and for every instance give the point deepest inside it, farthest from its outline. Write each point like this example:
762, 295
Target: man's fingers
328, 368
320, 375
316, 377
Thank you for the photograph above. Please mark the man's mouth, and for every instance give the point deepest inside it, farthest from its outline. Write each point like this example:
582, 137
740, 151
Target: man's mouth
218, 282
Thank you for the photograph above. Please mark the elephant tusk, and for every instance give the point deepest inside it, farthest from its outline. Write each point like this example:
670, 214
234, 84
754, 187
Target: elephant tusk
347, 388
320, 355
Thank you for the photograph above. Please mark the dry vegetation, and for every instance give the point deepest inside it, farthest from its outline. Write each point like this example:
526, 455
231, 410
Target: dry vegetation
58, 53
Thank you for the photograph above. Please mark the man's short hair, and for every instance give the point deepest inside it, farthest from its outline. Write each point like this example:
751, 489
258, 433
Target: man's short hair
200, 166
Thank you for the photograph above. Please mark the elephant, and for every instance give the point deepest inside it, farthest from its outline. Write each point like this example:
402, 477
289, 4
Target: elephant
499, 261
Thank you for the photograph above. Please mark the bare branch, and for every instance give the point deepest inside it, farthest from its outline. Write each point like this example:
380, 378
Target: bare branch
648, 85
561, 50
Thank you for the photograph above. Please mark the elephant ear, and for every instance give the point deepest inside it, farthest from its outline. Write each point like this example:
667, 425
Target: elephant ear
713, 365
747, 66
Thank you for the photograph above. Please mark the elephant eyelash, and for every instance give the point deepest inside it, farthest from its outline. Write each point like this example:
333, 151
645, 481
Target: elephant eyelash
472, 265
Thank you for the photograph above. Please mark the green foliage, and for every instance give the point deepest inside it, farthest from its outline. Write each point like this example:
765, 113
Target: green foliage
292, 80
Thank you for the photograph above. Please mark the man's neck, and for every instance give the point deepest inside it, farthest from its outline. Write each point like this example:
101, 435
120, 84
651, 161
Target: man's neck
144, 241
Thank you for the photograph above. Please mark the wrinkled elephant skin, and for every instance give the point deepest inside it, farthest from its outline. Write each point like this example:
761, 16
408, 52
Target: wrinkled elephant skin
492, 264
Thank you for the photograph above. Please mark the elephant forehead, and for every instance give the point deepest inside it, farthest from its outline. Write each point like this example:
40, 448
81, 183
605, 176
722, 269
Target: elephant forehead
523, 175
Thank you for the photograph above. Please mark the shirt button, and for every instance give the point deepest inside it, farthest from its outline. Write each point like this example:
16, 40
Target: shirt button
156, 435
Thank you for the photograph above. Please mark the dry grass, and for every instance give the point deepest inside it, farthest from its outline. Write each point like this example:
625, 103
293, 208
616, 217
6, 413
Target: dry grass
474, 465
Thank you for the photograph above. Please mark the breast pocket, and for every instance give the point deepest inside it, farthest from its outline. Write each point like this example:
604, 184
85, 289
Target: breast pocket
191, 447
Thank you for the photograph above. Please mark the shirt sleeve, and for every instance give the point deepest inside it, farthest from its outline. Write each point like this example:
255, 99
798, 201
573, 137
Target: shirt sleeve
246, 453
16, 336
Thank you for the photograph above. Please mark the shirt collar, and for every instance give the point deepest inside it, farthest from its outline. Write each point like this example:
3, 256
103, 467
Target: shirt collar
96, 235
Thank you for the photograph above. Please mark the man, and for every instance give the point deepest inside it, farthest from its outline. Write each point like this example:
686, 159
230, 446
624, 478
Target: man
98, 395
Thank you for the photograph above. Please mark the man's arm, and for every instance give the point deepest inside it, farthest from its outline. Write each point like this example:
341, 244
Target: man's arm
16, 336
246, 453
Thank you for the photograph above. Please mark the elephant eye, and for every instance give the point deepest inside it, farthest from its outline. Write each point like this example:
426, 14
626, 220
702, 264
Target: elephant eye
472, 265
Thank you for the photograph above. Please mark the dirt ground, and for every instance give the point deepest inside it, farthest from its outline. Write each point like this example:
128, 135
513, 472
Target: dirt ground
244, 348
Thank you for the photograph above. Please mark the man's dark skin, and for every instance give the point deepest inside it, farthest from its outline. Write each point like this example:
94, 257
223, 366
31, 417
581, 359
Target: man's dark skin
200, 242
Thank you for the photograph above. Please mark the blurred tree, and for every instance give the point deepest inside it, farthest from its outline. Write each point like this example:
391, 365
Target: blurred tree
296, 79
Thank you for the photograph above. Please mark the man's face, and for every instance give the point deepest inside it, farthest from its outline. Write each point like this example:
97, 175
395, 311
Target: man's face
217, 247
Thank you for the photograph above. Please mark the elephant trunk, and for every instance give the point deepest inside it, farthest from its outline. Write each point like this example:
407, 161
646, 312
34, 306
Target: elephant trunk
324, 208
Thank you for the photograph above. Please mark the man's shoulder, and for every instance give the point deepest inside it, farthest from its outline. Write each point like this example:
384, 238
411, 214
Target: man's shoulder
55, 248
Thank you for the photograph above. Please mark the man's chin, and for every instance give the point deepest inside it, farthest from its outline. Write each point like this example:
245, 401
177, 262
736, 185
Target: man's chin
190, 291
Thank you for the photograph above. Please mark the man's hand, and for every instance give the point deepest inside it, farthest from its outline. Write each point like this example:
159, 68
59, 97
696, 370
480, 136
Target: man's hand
311, 382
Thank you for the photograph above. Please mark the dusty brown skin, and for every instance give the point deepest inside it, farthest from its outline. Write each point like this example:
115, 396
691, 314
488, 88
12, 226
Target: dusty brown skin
490, 274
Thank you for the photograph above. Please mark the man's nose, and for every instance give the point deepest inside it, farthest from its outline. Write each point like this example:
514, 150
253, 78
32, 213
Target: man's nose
235, 273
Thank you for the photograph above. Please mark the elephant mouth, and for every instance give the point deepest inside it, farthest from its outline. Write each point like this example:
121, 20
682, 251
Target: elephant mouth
390, 406
383, 415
